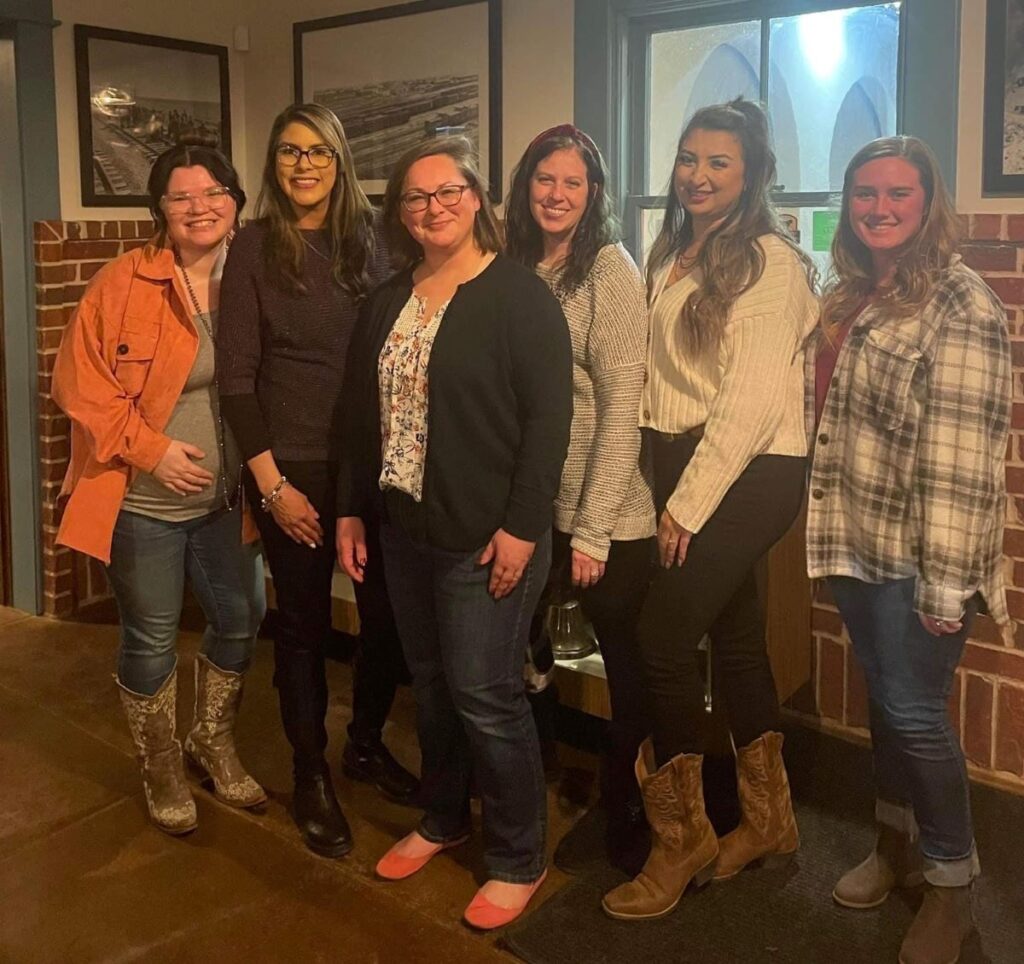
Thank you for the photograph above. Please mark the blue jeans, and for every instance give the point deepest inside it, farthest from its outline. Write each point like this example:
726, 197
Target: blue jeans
465, 651
919, 763
149, 562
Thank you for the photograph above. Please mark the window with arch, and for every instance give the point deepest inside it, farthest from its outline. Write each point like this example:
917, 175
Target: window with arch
829, 73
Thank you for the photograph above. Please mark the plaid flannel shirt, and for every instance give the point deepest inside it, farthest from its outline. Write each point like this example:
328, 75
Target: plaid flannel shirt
907, 473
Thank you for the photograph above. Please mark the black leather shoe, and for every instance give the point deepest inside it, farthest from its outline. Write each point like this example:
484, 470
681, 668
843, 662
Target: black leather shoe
372, 763
319, 818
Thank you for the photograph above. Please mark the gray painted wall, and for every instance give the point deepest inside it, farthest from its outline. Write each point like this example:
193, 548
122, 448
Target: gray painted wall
29, 192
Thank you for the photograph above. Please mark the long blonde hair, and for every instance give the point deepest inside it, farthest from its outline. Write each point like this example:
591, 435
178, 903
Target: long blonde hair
730, 260
927, 254
349, 215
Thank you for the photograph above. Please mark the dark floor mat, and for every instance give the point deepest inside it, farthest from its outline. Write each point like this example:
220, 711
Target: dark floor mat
787, 916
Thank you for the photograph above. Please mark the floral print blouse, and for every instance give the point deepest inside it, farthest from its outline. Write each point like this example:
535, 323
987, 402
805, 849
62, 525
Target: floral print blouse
402, 369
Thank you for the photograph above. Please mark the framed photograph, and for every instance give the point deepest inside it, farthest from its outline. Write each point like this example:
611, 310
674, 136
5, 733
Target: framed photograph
1003, 148
136, 95
398, 75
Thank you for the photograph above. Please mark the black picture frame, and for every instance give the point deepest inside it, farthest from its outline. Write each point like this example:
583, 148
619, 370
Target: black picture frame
122, 128
393, 78
1003, 127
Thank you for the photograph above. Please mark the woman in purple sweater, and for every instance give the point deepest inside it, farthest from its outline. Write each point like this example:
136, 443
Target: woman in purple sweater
291, 291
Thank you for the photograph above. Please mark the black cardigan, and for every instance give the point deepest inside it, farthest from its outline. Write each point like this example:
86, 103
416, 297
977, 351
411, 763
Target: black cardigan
500, 406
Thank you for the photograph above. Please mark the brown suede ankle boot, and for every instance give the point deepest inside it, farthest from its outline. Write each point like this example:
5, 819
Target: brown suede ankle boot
940, 927
767, 830
684, 845
895, 862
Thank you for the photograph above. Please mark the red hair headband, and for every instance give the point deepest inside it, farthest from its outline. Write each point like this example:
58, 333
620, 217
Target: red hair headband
565, 130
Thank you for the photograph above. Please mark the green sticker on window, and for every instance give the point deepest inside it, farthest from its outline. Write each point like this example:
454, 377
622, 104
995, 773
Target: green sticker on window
823, 227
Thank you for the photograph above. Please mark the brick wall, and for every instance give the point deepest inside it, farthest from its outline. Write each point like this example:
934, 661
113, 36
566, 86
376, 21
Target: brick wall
67, 255
987, 701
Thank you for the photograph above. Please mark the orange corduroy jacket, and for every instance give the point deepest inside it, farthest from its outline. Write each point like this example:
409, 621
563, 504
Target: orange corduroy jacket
122, 364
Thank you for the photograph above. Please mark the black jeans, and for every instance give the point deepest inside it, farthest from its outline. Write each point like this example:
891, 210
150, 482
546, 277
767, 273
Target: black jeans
714, 592
302, 585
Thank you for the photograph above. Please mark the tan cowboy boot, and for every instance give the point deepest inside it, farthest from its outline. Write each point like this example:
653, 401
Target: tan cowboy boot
942, 924
684, 845
895, 862
211, 743
151, 722
767, 830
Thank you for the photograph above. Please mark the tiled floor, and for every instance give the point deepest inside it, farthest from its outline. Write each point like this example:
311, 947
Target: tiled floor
84, 877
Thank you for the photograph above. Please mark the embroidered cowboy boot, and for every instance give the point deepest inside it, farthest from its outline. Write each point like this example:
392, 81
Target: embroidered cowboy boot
211, 742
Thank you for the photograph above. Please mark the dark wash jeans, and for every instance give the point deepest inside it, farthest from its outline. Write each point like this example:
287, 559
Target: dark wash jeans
918, 758
150, 560
302, 585
465, 650
715, 592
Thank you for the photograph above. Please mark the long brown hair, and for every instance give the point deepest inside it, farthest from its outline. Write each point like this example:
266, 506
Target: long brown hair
349, 215
598, 225
731, 260
405, 250
927, 254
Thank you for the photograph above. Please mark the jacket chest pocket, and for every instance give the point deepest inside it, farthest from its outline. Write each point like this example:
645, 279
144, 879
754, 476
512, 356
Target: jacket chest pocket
133, 358
885, 378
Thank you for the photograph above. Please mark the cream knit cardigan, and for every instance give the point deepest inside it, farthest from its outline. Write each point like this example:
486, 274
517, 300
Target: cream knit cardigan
603, 494
748, 395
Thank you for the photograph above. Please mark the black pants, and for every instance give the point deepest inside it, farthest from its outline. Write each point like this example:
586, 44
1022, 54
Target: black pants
613, 606
302, 585
715, 592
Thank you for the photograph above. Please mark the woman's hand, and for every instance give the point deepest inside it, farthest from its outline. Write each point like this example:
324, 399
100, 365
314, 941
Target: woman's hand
940, 627
295, 514
511, 556
586, 570
350, 544
673, 541
177, 472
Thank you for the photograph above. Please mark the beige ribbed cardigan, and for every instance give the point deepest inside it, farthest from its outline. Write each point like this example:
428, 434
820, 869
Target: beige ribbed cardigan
748, 395
603, 494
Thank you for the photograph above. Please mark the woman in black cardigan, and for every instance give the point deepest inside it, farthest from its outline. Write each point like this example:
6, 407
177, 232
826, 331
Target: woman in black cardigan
456, 412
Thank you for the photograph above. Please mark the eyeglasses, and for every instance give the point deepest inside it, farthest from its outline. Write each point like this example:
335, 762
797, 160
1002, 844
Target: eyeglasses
288, 155
447, 196
214, 198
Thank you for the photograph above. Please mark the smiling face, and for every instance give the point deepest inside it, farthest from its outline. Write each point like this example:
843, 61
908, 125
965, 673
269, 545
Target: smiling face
709, 172
308, 188
886, 206
559, 194
439, 230
205, 222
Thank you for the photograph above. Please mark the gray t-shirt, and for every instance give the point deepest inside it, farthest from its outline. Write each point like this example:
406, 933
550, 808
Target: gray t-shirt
195, 420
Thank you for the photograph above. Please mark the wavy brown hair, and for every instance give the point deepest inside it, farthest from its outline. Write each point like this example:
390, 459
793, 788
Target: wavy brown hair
598, 225
925, 257
349, 214
731, 260
405, 250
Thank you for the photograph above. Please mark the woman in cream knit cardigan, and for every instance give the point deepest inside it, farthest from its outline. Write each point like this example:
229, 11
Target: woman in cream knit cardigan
731, 303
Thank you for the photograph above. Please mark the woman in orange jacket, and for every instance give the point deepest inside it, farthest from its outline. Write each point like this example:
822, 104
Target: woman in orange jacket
153, 483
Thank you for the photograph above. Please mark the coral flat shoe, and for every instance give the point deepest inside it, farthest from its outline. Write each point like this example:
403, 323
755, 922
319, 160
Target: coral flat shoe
485, 916
396, 866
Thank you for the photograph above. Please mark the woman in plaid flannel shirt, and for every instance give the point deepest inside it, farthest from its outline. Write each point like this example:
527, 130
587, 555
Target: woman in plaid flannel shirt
909, 397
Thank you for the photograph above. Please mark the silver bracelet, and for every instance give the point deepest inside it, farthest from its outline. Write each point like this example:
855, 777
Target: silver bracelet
275, 493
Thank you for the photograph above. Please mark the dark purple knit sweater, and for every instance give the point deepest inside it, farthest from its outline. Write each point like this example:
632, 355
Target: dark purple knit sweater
281, 356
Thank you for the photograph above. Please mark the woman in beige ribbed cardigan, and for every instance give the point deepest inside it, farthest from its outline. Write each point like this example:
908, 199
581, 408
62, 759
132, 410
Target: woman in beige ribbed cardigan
560, 224
730, 305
